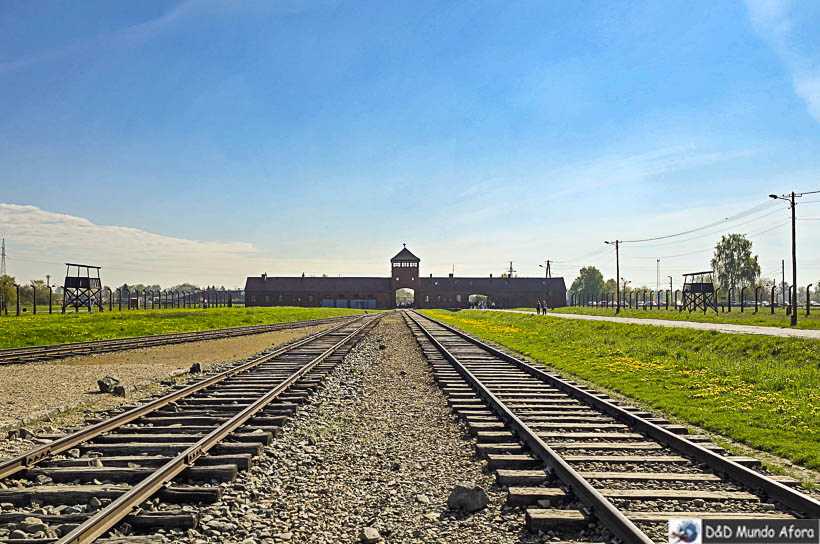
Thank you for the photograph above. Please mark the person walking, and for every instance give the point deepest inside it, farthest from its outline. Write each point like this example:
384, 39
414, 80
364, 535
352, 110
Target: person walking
538, 307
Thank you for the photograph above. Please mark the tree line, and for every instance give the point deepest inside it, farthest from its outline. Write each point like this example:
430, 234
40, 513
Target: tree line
38, 288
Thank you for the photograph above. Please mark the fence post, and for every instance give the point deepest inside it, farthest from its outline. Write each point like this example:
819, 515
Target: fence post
50, 293
742, 298
772, 301
808, 299
34, 298
18, 298
757, 296
731, 292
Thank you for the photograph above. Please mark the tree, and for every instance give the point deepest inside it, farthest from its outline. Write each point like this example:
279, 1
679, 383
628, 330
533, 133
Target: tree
733, 262
8, 294
590, 282
42, 292
185, 288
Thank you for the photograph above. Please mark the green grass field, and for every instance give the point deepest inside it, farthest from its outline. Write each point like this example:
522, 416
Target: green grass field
759, 390
40, 329
748, 317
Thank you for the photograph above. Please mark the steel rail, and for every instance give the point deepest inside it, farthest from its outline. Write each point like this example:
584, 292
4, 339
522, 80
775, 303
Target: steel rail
32, 457
599, 505
10, 355
792, 498
106, 518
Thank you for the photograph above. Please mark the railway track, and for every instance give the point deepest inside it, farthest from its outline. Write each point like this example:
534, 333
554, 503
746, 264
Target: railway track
581, 463
129, 471
59, 351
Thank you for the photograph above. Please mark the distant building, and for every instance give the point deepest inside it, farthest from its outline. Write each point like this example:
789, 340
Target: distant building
380, 293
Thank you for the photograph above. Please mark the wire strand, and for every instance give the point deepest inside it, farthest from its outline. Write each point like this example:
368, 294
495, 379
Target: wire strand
759, 207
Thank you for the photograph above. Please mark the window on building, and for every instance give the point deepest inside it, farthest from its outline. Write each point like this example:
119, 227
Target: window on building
281, 298
267, 299
310, 298
458, 298
253, 298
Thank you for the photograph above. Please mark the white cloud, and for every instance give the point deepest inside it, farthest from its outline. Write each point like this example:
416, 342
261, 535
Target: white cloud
38, 241
780, 27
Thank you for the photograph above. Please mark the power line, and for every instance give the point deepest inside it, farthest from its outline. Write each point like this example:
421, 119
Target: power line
716, 231
759, 207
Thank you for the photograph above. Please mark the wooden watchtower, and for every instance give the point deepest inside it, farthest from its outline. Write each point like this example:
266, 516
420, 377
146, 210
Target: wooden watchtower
82, 290
699, 292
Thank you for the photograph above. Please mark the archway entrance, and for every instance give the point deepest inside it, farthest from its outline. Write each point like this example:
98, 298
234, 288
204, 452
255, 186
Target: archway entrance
405, 297
479, 302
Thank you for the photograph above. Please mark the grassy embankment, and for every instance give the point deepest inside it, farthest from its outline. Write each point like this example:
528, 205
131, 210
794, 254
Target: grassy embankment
748, 317
82, 327
759, 390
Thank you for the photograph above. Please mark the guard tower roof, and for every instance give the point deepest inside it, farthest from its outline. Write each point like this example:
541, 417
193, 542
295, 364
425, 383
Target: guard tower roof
405, 255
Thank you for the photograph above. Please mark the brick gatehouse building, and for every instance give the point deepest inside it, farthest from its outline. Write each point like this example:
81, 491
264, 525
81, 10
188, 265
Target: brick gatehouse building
380, 293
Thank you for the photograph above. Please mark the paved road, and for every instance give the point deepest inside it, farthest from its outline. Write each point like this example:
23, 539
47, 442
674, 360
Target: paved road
720, 327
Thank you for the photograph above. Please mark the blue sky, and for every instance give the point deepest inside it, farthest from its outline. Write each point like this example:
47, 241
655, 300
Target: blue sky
215, 140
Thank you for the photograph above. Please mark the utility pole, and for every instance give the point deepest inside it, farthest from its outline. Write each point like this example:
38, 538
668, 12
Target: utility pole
790, 199
670, 290
616, 243
657, 275
547, 273
2, 275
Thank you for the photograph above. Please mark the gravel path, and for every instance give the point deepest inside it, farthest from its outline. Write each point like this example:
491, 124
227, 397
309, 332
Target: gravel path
376, 447
719, 327
37, 390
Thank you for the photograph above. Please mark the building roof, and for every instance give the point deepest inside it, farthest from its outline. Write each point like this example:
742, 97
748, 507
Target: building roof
297, 284
405, 255
485, 285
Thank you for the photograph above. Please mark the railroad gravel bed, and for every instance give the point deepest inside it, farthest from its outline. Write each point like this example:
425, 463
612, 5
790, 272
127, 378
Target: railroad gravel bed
33, 393
376, 448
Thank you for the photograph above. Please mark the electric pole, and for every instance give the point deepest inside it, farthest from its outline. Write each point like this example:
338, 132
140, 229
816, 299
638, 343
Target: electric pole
617, 275
790, 199
3, 275
657, 275
547, 273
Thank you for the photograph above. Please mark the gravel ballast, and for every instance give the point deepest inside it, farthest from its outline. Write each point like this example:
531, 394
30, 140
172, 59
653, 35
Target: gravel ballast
372, 458
36, 390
